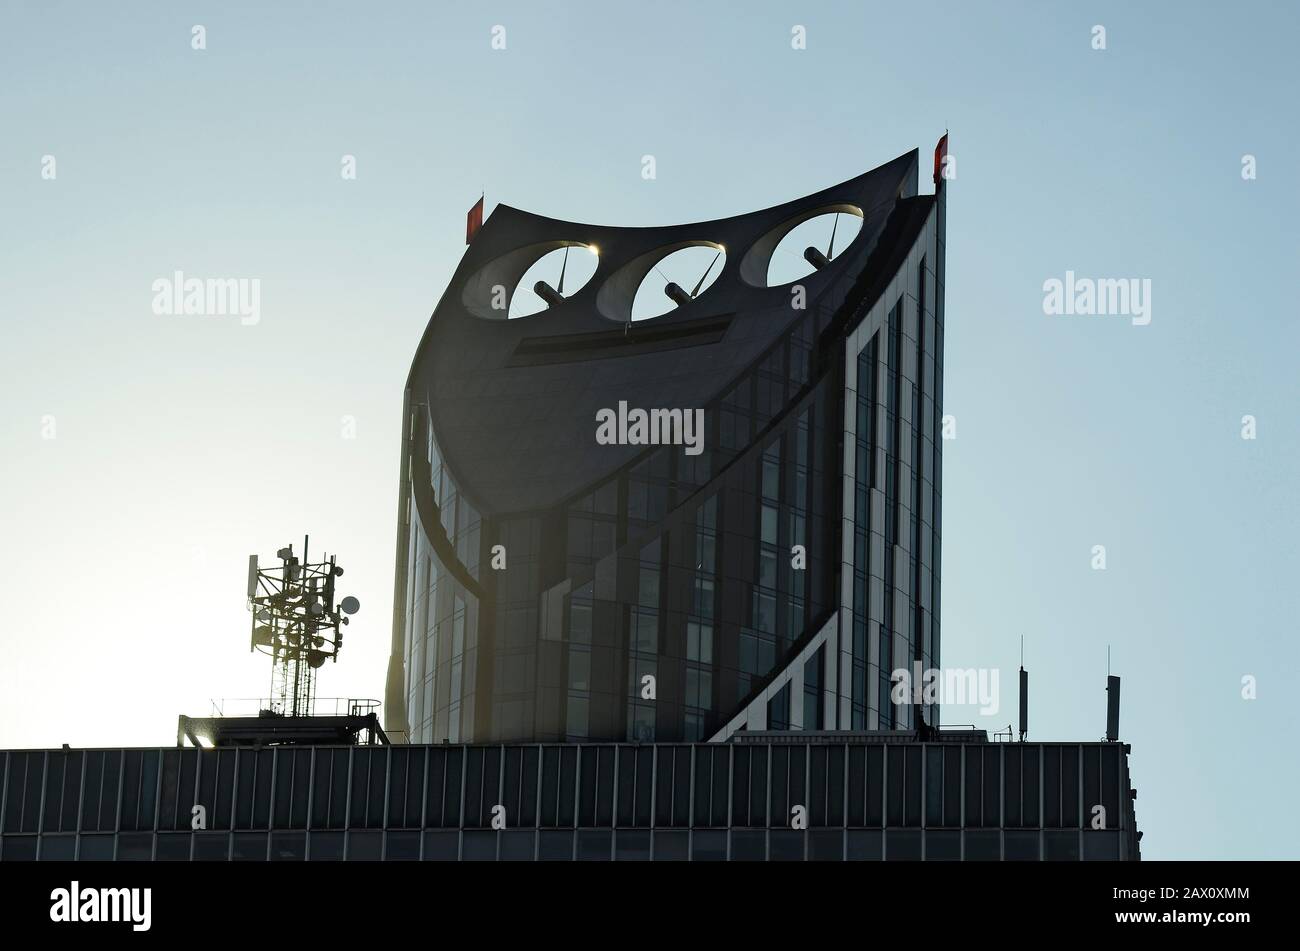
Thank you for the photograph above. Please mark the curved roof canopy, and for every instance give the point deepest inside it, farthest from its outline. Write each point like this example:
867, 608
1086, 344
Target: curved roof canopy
514, 402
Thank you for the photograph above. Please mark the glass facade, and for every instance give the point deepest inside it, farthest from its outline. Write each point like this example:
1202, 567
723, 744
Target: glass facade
893, 450
442, 610
738, 801
648, 609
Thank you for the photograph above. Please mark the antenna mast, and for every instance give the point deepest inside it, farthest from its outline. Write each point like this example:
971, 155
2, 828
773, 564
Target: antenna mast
297, 623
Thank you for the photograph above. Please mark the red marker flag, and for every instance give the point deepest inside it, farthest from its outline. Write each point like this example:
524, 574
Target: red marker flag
940, 153
474, 220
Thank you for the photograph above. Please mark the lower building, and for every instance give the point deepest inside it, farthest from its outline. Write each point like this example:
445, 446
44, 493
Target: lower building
786, 796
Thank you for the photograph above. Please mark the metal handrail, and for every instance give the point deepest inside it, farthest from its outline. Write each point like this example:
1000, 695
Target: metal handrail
320, 707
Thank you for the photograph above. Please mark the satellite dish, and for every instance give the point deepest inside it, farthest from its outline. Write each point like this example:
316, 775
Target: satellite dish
316, 609
263, 615
350, 605
262, 635
338, 572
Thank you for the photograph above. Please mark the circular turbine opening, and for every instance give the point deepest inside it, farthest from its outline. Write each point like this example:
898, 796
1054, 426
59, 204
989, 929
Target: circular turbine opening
556, 275
677, 279
811, 244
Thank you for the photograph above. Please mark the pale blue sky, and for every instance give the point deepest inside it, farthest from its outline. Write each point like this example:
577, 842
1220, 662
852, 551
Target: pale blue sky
183, 444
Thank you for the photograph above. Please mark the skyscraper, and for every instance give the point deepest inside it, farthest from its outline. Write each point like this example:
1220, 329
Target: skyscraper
651, 583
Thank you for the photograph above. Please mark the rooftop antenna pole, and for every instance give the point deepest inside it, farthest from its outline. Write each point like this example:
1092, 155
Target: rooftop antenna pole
1112, 702
1024, 693
296, 622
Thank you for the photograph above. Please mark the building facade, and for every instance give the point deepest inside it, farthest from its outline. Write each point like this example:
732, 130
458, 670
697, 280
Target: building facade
785, 797
551, 588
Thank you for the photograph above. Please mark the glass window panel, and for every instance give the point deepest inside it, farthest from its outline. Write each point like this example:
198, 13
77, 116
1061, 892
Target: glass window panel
681, 786
875, 785
896, 776
903, 845
441, 846
780, 803
993, 786
325, 846
721, 770
58, 848
173, 847
1021, 846
974, 786
288, 846
942, 846
632, 845
912, 781
34, 779
1070, 811
834, 771
708, 845
170, 805
826, 845
1030, 784
517, 845
1011, 786
594, 845
983, 845
365, 845
211, 847
555, 846
740, 786
22, 848
528, 787
479, 845
786, 845
93, 848
1110, 791
1101, 846
1052, 786
91, 798
568, 786
451, 810
246, 775
1061, 846
605, 786
933, 786
437, 765
671, 846
57, 763
475, 807
863, 845
249, 847
857, 786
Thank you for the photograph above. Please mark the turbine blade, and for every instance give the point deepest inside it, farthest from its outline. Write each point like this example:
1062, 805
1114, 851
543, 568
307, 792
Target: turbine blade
560, 289
700, 282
